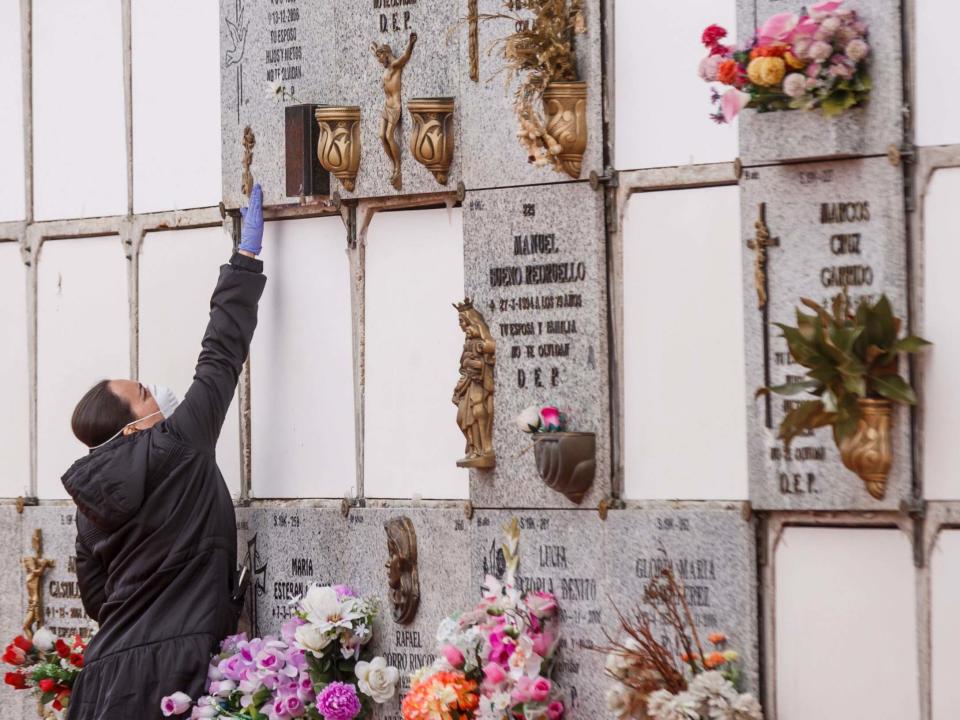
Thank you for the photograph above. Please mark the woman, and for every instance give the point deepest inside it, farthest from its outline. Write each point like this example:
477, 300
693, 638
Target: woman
156, 531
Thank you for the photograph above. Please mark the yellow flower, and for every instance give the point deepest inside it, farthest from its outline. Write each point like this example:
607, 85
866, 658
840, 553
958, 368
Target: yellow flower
766, 71
731, 656
793, 61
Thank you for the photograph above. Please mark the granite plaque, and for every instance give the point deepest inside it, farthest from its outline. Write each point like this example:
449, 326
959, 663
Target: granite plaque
443, 556
831, 225
492, 155
561, 552
535, 267
712, 552
800, 135
273, 53
12, 596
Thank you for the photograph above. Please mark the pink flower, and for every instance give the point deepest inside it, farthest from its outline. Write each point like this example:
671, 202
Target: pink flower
501, 647
494, 673
821, 50
551, 418
732, 102
523, 691
778, 28
826, 7
795, 85
541, 604
857, 50
813, 70
294, 707
555, 710
540, 689
708, 68
453, 656
289, 628
175, 704
542, 644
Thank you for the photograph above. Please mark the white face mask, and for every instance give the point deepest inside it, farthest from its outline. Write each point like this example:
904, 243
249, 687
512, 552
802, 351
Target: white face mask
120, 431
167, 400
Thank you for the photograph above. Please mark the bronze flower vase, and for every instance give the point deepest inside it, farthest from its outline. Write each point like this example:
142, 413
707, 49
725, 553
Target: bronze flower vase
565, 107
431, 141
338, 148
566, 462
869, 452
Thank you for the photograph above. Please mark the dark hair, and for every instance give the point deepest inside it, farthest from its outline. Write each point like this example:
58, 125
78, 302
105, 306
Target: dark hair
99, 415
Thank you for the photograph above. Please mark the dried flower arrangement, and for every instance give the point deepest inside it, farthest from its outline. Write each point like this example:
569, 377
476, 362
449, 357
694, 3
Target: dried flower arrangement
541, 52
651, 682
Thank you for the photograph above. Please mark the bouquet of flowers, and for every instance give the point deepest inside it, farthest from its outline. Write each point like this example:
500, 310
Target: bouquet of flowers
46, 665
317, 668
654, 683
814, 60
536, 419
495, 662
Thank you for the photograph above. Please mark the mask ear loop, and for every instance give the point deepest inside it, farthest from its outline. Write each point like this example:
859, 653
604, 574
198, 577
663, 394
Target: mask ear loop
120, 431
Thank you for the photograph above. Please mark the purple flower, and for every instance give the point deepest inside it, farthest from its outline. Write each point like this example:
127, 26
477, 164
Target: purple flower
344, 591
232, 642
289, 629
338, 701
294, 707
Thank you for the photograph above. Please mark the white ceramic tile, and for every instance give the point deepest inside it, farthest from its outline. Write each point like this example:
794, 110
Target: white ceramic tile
683, 346
846, 629
941, 402
662, 107
176, 104
14, 375
936, 59
79, 139
413, 344
82, 338
304, 441
945, 621
11, 114
178, 272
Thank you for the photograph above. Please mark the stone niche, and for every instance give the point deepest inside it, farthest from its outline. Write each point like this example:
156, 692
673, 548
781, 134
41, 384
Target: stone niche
799, 135
535, 267
12, 595
832, 224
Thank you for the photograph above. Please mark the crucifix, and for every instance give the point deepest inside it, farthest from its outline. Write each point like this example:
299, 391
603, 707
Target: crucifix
249, 140
759, 244
473, 37
34, 568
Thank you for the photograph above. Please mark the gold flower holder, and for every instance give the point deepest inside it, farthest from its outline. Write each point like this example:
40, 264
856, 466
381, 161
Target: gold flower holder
338, 148
868, 452
565, 107
431, 141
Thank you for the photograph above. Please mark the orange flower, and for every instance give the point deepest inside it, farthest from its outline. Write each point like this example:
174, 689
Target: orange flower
768, 51
687, 658
442, 695
717, 638
728, 72
714, 660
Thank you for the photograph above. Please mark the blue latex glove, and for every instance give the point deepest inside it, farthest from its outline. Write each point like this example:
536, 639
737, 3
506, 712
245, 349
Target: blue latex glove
251, 236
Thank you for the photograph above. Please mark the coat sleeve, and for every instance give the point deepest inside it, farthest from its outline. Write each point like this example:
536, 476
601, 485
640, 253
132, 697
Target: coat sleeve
92, 579
233, 318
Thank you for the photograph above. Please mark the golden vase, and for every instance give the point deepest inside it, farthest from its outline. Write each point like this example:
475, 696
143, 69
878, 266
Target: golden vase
431, 141
338, 147
869, 452
565, 107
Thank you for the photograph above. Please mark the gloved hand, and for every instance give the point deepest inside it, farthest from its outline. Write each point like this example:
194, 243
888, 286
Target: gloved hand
251, 235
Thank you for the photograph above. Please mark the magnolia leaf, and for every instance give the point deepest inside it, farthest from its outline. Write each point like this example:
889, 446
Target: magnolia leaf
800, 349
795, 388
806, 416
911, 344
880, 324
856, 384
848, 417
894, 387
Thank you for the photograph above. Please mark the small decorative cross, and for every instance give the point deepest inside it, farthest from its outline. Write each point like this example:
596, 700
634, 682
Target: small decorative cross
249, 140
759, 245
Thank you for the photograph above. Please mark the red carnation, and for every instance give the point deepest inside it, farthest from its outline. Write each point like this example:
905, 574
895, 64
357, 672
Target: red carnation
16, 679
14, 655
712, 35
63, 650
48, 684
62, 700
21, 642
76, 659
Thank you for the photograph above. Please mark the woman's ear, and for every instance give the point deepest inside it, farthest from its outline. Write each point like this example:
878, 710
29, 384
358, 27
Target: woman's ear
130, 429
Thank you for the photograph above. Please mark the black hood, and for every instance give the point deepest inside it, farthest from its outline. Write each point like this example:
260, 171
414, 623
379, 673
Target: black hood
108, 485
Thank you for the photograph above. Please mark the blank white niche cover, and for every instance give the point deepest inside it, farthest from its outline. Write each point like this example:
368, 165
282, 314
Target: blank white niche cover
11, 114
413, 343
178, 272
82, 337
14, 374
683, 346
304, 440
945, 622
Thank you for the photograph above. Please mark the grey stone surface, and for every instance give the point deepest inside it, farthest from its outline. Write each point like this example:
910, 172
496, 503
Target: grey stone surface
560, 552
712, 550
798, 135
804, 265
533, 315
12, 606
493, 157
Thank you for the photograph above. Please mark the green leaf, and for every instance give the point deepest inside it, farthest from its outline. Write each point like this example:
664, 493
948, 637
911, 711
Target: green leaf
880, 324
856, 384
806, 416
894, 387
800, 349
795, 388
847, 419
911, 344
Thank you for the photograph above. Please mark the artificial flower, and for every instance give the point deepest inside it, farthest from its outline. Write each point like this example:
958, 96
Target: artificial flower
728, 72
712, 35
175, 704
766, 71
529, 419
551, 418
732, 102
778, 28
43, 639
857, 50
338, 701
376, 679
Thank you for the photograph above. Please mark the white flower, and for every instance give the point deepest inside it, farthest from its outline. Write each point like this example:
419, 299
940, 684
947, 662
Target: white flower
857, 50
662, 705
618, 700
44, 640
529, 419
376, 679
524, 661
821, 50
323, 608
618, 664
746, 707
795, 85
312, 638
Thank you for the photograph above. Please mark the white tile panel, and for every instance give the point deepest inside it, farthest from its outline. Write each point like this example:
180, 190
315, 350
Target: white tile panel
14, 375
11, 113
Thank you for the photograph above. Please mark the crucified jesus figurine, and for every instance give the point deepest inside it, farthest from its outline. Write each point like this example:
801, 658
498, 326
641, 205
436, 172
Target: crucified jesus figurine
393, 107
34, 569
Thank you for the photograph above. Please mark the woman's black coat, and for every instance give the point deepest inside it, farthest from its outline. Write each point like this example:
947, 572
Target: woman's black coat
156, 532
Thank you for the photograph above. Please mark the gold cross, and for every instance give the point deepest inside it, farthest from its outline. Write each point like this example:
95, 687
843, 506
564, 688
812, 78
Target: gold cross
759, 245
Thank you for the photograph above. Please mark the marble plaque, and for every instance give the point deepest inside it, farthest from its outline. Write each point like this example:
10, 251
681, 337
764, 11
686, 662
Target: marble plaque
273, 53
535, 267
800, 135
560, 552
12, 596
443, 556
493, 157
62, 608
834, 223
712, 551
